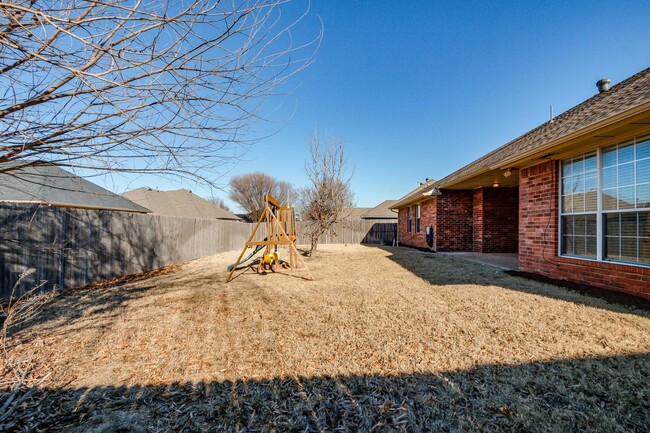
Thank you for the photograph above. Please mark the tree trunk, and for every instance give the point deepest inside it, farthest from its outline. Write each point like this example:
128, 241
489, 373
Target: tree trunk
314, 246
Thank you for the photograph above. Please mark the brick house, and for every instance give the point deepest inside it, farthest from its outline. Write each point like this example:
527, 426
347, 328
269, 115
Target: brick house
571, 197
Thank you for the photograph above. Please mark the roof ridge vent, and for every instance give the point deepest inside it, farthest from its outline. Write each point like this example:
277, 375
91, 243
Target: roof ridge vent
603, 85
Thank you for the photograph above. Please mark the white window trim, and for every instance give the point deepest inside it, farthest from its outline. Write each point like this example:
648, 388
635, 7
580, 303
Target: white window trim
600, 238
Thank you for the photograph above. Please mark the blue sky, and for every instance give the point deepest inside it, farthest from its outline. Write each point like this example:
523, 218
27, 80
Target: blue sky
418, 89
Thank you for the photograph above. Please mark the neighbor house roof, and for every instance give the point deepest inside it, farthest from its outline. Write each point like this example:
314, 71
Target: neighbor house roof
623, 98
180, 202
44, 183
355, 212
381, 211
418, 194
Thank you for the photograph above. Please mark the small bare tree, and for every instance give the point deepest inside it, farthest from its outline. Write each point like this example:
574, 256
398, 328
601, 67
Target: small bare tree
248, 191
328, 196
155, 86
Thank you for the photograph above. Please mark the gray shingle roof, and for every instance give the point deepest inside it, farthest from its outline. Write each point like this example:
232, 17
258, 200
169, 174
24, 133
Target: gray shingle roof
628, 94
179, 202
45, 183
381, 211
355, 212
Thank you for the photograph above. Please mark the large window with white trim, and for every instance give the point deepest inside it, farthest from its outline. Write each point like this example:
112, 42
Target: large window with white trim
605, 204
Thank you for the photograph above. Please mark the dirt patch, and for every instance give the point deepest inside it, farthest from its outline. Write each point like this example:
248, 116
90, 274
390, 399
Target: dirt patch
382, 339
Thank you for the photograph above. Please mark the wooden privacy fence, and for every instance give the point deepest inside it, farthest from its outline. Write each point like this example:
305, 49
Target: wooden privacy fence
355, 231
74, 247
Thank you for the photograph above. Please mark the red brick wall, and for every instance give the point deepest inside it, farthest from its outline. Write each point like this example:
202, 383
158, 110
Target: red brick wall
450, 215
477, 241
538, 239
496, 220
454, 220
427, 218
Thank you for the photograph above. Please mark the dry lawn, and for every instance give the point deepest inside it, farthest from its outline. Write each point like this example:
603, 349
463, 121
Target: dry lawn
383, 339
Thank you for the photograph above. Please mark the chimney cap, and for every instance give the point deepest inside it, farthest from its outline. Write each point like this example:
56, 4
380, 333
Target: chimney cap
603, 85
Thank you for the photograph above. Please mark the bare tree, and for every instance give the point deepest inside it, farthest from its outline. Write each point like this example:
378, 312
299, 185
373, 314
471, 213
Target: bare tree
328, 196
158, 87
248, 191
219, 202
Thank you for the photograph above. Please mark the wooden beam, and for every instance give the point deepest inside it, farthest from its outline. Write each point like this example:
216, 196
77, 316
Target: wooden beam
271, 200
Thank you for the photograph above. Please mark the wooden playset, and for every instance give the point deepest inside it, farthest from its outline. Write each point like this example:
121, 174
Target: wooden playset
280, 222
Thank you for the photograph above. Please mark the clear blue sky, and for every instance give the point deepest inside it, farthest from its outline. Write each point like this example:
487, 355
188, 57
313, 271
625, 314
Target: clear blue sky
420, 88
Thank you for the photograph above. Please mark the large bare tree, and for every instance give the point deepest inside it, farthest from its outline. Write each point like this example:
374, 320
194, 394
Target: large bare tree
325, 201
248, 191
140, 86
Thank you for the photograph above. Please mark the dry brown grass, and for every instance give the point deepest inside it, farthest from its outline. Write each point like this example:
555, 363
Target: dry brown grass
382, 340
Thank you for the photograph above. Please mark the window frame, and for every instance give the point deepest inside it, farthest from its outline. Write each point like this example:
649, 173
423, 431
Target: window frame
600, 212
417, 218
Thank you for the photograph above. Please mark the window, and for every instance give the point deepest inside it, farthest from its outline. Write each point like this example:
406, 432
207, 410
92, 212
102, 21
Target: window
579, 206
417, 219
626, 202
605, 204
409, 219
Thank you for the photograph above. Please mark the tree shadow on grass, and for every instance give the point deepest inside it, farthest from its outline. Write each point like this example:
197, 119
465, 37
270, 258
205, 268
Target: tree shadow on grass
604, 394
442, 270
77, 306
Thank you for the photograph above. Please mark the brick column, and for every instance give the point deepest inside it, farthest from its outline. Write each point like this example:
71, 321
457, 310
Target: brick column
496, 220
538, 217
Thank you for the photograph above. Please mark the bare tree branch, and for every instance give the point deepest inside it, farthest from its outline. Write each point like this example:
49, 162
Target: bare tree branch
219, 202
146, 87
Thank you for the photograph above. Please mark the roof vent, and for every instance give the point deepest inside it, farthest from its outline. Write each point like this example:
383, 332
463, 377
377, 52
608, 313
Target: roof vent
603, 85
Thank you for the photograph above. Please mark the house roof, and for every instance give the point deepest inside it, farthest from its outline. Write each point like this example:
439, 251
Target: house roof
624, 97
415, 195
180, 202
44, 183
381, 211
355, 212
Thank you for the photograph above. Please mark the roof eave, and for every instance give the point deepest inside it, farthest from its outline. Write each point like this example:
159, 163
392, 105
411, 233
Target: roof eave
572, 136
548, 146
419, 198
